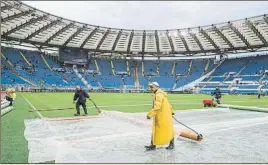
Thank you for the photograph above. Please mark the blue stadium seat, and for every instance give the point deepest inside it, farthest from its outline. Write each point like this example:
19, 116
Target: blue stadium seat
252, 69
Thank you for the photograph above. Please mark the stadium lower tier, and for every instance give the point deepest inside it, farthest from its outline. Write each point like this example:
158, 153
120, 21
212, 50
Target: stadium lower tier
32, 68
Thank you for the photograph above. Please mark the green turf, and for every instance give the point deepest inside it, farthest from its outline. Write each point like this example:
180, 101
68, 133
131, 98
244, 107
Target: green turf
129, 102
108, 101
14, 146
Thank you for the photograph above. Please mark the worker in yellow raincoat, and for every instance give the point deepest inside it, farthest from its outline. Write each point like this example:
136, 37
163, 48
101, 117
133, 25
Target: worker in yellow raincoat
11, 95
162, 111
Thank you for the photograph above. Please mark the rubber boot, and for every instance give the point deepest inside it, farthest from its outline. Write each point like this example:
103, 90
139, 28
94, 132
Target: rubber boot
171, 145
150, 147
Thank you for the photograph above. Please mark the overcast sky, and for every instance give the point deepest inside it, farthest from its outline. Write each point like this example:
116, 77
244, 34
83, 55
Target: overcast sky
150, 15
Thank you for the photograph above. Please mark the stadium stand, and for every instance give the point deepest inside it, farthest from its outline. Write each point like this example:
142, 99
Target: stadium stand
243, 75
190, 54
32, 67
119, 65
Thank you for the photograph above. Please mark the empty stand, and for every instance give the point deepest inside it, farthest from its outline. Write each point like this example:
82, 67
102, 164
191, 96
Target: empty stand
35, 68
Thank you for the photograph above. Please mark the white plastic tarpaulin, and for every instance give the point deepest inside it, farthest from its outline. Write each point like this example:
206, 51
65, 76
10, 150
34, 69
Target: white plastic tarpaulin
115, 137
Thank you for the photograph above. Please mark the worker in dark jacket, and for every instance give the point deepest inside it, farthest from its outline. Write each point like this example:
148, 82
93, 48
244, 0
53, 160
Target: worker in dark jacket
259, 94
217, 95
81, 95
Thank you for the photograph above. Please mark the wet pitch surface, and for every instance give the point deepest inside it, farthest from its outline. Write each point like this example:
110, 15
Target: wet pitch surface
230, 136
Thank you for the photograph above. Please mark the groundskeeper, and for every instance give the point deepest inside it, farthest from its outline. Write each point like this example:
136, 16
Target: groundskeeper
259, 94
217, 95
162, 111
81, 95
11, 95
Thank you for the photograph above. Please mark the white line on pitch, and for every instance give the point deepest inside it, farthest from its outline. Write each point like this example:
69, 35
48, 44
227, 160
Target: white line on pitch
39, 114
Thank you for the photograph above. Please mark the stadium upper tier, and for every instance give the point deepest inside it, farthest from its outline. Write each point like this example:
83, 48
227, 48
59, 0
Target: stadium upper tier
26, 24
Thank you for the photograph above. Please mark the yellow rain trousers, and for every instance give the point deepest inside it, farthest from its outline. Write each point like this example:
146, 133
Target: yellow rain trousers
162, 131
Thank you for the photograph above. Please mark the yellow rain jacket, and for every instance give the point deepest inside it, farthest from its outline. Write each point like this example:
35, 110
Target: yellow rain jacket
163, 131
11, 93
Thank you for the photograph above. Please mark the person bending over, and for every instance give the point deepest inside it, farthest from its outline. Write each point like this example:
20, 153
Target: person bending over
217, 95
162, 111
81, 95
11, 95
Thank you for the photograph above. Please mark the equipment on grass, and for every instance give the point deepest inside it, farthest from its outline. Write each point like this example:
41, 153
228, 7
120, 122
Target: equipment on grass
6, 110
95, 105
4, 104
51, 109
187, 134
5, 107
246, 108
208, 103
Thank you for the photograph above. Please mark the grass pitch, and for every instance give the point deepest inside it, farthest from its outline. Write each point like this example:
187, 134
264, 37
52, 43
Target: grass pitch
128, 102
14, 146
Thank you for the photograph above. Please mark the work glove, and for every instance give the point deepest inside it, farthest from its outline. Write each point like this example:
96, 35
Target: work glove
148, 118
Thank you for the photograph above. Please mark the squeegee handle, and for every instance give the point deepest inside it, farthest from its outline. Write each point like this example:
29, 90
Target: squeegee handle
185, 125
95, 105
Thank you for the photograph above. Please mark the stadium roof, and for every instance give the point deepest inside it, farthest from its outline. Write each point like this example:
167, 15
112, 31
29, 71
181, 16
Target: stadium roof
24, 23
